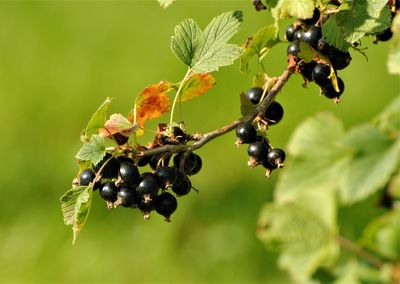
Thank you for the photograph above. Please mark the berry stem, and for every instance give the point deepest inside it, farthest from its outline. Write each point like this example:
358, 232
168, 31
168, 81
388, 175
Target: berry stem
188, 73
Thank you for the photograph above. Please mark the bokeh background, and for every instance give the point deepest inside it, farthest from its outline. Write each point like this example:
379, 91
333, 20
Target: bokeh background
59, 60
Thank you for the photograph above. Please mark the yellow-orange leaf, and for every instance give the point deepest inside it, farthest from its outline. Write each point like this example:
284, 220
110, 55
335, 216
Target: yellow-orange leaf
117, 123
152, 102
196, 86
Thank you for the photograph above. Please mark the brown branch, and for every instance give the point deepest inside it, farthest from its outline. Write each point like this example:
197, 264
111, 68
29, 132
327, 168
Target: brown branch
205, 138
359, 251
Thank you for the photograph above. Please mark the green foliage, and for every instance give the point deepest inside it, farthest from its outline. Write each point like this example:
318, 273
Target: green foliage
259, 45
75, 206
394, 54
206, 51
98, 119
94, 150
165, 3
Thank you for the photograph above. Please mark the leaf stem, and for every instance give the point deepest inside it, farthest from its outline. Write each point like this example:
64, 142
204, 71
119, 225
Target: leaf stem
359, 251
178, 93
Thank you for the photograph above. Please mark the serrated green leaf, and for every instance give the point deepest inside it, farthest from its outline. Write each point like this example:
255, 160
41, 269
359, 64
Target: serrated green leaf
333, 34
94, 150
382, 235
165, 3
394, 53
98, 118
260, 44
374, 160
186, 40
306, 52
75, 206
304, 241
302, 9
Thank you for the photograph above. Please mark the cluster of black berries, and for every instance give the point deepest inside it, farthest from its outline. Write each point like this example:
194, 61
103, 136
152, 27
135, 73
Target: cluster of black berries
387, 34
308, 31
259, 149
121, 183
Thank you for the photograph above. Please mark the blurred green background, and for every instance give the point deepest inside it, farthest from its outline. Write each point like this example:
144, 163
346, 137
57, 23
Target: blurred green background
58, 61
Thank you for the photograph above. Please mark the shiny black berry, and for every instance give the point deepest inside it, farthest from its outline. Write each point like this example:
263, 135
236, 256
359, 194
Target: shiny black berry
320, 75
126, 196
166, 176
298, 35
159, 160
183, 187
109, 192
313, 20
274, 113
306, 70
385, 35
129, 173
191, 165
324, 47
290, 33
120, 139
257, 150
276, 157
330, 92
293, 48
339, 59
111, 169
146, 207
165, 204
312, 35
148, 187
254, 95
246, 132
86, 177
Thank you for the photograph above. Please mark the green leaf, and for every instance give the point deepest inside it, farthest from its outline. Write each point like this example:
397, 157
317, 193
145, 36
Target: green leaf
302, 237
374, 160
94, 150
75, 206
306, 52
389, 120
259, 45
165, 3
302, 9
98, 118
246, 106
382, 235
333, 34
186, 41
206, 51
394, 53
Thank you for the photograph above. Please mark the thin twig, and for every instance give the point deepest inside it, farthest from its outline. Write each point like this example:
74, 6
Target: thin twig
205, 138
359, 251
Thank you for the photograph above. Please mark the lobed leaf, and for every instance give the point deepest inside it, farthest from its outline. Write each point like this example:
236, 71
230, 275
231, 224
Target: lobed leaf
302, 9
394, 53
117, 123
196, 85
152, 102
98, 118
94, 150
260, 44
75, 206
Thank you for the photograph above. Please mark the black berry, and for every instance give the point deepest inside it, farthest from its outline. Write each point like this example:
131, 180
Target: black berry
313, 20
257, 150
246, 132
324, 47
385, 35
165, 204
290, 33
129, 173
166, 176
306, 70
191, 165
274, 113
298, 35
312, 35
276, 157
86, 177
293, 48
159, 160
339, 59
146, 207
120, 139
126, 196
320, 75
111, 169
183, 187
330, 92
254, 95
109, 192
148, 187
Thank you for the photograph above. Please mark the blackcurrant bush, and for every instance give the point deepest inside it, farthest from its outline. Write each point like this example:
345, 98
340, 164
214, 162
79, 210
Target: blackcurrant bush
257, 150
109, 192
183, 187
274, 113
339, 59
290, 33
111, 169
276, 157
165, 204
330, 92
306, 70
385, 35
313, 20
320, 75
166, 176
254, 95
312, 35
86, 177
148, 187
293, 48
126, 197
129, 173
246, 133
